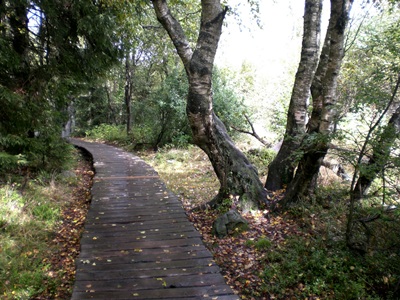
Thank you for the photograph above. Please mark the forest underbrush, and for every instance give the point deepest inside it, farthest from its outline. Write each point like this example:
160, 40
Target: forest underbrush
300, 253
41, 219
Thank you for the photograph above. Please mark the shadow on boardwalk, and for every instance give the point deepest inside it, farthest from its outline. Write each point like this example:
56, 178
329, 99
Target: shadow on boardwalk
138, 242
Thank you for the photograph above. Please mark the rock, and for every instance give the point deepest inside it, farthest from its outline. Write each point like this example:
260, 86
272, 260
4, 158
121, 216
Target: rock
228, 223
68, 174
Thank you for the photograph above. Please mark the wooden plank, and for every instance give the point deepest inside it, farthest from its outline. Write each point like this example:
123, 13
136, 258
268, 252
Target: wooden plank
133, 272
154, 283
162, 293
167, 233
119, 244
136, 255
154, 223
117, 264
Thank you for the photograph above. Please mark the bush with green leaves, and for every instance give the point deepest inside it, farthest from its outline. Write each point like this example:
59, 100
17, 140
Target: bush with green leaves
228, 105
163, 113
261, 158
323, 271
45, 150
108, 133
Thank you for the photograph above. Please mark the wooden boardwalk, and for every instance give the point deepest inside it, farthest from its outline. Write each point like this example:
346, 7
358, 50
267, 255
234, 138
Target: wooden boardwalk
138, 242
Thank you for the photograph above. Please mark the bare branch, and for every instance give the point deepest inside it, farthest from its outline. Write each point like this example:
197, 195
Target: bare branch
252, 133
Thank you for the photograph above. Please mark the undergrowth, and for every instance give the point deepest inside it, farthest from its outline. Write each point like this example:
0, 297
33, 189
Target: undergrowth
30, 215
310, 261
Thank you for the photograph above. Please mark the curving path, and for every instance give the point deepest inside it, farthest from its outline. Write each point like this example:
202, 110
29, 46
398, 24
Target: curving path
138, 242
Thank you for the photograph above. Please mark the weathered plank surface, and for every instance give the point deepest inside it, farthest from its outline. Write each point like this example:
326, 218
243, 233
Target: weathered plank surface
138, 242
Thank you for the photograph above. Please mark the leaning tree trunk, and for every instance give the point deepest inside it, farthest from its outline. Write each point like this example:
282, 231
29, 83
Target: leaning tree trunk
316, 144
236, 174
281, 170
381, 151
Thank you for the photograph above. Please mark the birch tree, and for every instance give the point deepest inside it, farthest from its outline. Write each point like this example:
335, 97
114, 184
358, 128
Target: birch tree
315, 145
281, 170
237, 176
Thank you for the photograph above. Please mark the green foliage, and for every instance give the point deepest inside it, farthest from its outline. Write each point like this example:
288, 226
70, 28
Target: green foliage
227, 105
11, 162
263, 244
261, 158
92, 109
318, 262
46, 151
108, 133
225, 205
49, 152
26, 223
278, 115
332, 273
142, 135
369, 76
168, 105
45, 64
371, 67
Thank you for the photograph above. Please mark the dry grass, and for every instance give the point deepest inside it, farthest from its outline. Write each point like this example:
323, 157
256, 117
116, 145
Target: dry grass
187, 172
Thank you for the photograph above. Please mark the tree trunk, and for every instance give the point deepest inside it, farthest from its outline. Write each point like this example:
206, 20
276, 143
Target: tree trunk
316, 143
20, 41
235, 173
111, 119
129, 73
381, 151
281, 170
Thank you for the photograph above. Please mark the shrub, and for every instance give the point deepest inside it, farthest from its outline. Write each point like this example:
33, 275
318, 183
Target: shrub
331, 273
108, 133
261, 158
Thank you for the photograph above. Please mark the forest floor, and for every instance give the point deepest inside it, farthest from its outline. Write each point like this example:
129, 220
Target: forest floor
299, 253
66, 241
242, 256
41, 221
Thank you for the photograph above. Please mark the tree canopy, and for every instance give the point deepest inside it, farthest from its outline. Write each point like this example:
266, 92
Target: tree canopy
50, 51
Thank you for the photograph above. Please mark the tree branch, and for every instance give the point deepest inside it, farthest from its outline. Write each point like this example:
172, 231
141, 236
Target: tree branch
175, 31
252, 133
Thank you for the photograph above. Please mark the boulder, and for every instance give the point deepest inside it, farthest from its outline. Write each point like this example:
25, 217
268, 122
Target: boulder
228, 223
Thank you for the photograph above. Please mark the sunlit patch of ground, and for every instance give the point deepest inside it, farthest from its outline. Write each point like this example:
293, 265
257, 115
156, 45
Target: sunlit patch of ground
187, 172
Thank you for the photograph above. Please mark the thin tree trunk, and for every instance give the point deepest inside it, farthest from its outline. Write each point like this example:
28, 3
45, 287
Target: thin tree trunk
20, 41
316, 144
111, 112
281, 170
236, 174
381, 150
129, 73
